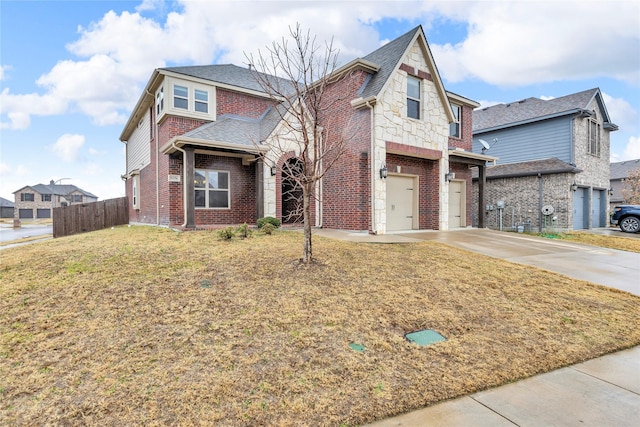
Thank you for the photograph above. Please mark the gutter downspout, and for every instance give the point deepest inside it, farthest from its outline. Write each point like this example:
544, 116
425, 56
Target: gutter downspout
321, 186
184, 181
373, 169
540, 203
155, 137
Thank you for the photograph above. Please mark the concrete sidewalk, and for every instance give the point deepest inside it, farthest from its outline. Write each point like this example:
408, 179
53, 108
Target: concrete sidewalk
598, 393
601, 392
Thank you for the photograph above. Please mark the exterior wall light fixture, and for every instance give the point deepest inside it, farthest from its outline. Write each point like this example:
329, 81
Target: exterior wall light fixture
610, 191
449, 176
384, 172
274, 170
574, 186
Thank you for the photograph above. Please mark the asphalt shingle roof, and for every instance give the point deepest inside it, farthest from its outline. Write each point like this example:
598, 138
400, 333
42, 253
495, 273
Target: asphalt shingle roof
227, 74
4, 203
621, 170
386, 57
530, 108
239, 130
60, 189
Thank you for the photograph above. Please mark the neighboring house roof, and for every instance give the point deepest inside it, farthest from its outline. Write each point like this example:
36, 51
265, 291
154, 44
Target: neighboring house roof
621, 170
535, 109
4, 203
57, 189
530, 168
228, 74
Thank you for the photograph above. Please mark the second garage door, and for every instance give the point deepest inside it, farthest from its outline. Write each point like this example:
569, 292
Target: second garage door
401, 192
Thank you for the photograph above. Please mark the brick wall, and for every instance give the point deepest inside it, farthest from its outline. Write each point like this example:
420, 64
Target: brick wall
521, 196
242, 180
466, 130
346, 195
228, 102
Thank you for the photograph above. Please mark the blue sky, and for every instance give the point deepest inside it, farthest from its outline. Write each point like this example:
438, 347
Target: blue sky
71, 71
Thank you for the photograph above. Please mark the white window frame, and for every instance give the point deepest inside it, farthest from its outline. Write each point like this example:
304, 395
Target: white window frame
205, 187
411, 98
455, 130
160, 101
197, 101
135, 191
180, 97
593, 138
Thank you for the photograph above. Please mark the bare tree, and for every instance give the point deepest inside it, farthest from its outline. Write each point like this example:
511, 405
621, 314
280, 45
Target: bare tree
631, 190
304, 98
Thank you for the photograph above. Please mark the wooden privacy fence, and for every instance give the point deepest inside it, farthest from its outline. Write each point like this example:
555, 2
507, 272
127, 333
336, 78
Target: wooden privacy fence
85, 217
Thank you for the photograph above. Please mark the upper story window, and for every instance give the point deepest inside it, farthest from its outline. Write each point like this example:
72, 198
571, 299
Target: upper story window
211, 189
181, 97
594, 138
27, 197
46, 197
77, 198
454, 128
413, 97
201, 101
160, 101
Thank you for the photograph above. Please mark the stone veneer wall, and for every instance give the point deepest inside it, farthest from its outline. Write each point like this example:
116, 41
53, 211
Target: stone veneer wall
392, 124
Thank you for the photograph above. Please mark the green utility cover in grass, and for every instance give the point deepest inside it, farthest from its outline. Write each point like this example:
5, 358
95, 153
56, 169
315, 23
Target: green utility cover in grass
357, 347
425, 337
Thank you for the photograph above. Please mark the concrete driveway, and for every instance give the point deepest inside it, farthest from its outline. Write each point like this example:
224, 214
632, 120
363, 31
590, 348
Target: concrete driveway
608, 267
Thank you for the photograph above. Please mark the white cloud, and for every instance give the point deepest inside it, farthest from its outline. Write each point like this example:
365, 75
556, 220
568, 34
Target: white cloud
3, 71
632, 150
508, 44
622, 114
5, 168
520, 43
68, 146
93, 169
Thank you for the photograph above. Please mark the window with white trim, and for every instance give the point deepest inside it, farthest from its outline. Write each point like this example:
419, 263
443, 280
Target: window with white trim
413, 97
181, 97
27, 197
201, 101
135, 191
211, 189
160, 101
594, 138
454, 128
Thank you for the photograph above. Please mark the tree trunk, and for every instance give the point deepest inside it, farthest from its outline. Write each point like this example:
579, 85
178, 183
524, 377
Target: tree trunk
307, 251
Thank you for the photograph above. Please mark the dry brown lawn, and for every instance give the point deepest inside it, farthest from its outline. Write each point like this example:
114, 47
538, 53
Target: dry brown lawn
147, 326
621, 242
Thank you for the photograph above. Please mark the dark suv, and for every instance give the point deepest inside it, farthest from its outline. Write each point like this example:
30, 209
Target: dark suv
627, 217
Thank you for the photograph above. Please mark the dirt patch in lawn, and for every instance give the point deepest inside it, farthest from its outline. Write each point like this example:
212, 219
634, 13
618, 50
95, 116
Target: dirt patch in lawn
146, 326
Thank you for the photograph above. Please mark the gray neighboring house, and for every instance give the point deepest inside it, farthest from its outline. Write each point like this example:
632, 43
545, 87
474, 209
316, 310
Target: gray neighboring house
6, 208
553, 167
37, 201
619, 173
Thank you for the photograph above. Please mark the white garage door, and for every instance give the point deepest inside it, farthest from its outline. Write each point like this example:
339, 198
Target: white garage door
400, 202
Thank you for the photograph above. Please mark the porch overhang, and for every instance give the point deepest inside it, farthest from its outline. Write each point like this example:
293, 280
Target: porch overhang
178, 142
469, 158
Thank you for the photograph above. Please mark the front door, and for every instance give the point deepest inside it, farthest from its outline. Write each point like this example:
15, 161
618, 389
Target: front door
457, 202
400, 202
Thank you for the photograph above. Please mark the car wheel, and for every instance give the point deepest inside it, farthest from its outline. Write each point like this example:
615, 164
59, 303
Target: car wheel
630, 224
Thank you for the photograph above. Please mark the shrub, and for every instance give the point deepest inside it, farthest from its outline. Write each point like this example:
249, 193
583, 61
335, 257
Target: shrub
244, 231
268, 228
226, 233
268, 220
